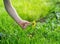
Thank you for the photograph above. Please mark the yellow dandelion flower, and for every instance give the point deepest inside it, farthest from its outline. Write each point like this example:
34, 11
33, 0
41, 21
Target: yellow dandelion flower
33, 23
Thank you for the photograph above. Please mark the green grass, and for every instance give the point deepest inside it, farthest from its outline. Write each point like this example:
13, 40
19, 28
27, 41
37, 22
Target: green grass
47, 32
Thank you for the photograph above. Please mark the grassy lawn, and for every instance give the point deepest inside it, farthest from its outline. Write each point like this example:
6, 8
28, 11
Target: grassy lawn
47, 32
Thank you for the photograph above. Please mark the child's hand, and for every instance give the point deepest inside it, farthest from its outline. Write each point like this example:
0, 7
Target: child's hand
24, 23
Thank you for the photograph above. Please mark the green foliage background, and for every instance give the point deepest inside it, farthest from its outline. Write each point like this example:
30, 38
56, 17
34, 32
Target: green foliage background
47, 32
33, 9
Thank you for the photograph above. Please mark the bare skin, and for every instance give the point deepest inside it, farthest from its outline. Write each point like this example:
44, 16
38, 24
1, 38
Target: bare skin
12, 12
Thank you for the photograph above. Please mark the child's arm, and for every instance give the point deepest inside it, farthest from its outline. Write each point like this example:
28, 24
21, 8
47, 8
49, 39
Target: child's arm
12, 12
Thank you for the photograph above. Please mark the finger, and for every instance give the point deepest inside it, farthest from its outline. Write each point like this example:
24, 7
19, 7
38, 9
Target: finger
25, 25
